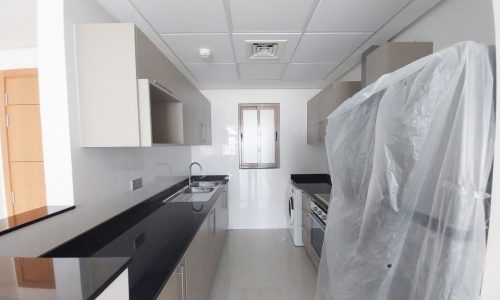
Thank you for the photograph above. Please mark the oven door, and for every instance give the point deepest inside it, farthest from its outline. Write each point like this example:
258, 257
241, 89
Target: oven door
317, 233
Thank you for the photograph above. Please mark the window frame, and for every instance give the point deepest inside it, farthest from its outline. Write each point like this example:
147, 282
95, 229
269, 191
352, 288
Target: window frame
258, 107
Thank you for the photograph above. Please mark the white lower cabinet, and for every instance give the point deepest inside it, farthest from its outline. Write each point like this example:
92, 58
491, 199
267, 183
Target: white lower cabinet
192, 279
118, 289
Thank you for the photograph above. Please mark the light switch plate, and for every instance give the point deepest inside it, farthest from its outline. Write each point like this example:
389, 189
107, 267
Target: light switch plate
136, 184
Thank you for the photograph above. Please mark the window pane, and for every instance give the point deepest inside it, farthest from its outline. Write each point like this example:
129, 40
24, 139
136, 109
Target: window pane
267, 136
250, 137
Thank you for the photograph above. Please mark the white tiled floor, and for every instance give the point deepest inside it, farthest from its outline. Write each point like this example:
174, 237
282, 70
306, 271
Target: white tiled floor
263, 265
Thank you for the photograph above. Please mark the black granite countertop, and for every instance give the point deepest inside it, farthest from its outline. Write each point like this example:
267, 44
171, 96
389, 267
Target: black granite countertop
32, 216
314, 184
155, 235
58, 278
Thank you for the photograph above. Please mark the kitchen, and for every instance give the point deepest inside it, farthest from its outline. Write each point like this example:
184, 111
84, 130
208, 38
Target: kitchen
91, 168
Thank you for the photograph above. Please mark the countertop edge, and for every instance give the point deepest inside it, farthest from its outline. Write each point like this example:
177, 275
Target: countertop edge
36, 220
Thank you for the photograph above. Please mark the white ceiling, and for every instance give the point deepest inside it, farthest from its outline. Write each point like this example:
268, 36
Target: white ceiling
17, 24
320, 35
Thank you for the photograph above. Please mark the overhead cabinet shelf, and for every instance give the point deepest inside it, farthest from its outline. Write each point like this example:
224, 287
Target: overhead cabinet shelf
131, 95
160, 115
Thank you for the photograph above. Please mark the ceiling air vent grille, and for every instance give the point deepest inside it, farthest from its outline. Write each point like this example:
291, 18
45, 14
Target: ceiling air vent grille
264, 49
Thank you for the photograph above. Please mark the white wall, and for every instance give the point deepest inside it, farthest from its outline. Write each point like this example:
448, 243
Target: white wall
449, 22
17, 24
17, 50
18, 58
453, 21
257, 198
491, 288
54, 103
96, 180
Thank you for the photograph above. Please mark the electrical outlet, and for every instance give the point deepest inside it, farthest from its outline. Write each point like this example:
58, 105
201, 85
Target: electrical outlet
136, 184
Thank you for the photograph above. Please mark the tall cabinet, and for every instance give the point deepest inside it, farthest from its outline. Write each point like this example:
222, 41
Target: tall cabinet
111, 61
321, 105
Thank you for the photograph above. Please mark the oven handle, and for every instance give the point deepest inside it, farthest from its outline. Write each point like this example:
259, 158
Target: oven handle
317, 220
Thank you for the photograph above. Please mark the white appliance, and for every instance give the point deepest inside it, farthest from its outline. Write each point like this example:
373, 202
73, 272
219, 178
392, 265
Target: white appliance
294, 199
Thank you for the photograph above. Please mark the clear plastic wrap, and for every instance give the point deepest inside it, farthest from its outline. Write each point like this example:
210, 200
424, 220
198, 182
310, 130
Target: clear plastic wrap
409, 158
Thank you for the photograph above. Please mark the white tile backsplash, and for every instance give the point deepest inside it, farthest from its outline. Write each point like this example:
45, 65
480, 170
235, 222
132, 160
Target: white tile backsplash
257, 198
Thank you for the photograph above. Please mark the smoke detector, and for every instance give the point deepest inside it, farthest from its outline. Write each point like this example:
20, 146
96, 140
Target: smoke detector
264, 50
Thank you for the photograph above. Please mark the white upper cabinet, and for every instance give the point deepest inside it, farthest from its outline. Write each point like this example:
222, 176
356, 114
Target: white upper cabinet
130, 94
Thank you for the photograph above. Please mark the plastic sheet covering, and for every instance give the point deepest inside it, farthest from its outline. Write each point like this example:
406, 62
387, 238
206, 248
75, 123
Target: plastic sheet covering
409, 158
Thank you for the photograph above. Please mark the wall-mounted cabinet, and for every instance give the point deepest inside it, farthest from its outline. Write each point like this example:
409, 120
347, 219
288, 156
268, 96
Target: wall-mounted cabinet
131, 95
321, 105
391, 56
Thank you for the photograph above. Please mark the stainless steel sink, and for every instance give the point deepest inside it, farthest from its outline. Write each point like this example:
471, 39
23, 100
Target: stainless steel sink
198, 190
206, 184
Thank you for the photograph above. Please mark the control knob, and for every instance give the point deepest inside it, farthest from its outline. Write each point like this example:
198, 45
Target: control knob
315, 208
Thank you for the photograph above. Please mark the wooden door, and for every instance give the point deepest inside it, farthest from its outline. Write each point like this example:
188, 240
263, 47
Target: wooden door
35, 273
22, 141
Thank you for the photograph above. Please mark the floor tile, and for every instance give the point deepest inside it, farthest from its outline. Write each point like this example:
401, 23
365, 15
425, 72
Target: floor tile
263, 265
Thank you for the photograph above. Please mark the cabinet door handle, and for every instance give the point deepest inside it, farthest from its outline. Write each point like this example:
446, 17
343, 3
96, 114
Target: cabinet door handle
214, 224
182, 273
319, 131
162, 87
205, 129
185, 279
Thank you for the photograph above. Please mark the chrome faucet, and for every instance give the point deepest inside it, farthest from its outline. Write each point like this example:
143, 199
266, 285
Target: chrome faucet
191, 171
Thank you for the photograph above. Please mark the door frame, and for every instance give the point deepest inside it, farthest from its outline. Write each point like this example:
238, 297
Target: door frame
3, 133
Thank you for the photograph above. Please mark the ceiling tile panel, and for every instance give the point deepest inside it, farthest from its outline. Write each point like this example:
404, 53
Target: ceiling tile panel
285, 54
180, 16
213, 72
261, 71
354, 15
327, 47
308, 72
187, 46
270, 16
